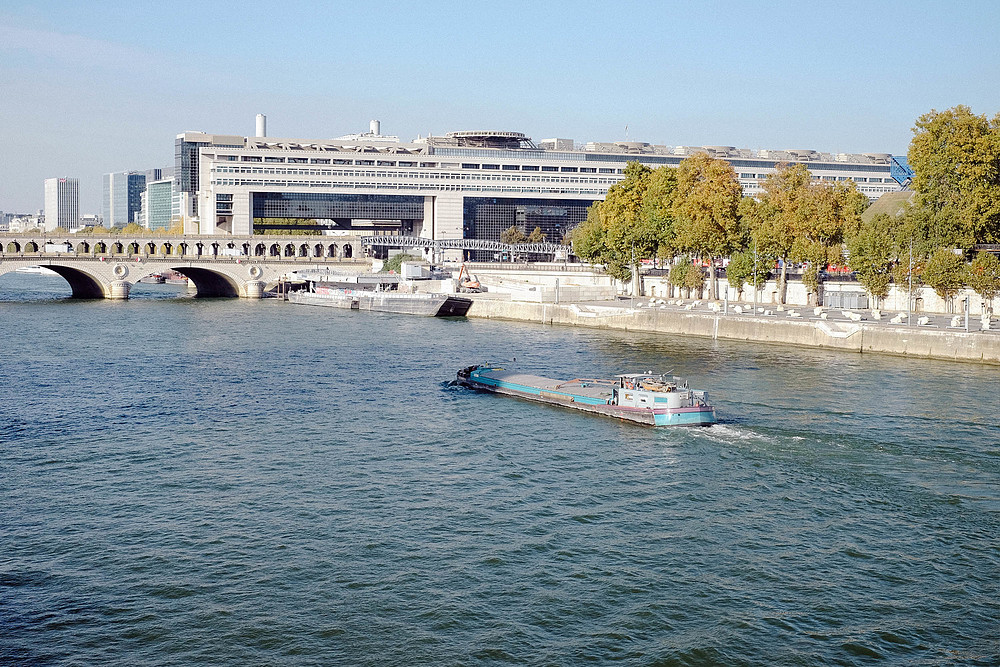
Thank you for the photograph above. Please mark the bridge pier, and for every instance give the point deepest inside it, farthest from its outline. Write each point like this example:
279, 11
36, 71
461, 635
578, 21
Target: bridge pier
119, 289
254, 289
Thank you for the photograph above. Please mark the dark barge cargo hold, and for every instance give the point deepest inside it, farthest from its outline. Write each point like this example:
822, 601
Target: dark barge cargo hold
646, 398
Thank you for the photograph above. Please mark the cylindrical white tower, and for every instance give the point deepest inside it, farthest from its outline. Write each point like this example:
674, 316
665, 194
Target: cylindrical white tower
261, 125
374, 127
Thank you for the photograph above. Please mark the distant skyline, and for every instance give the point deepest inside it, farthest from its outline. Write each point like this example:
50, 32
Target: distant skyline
92, 88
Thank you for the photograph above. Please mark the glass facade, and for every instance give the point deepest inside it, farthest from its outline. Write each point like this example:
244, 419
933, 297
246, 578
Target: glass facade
122, 198
487, 218
158, 202
345, 210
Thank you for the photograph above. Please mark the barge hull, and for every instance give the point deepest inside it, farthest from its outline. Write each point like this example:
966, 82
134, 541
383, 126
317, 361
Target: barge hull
544, 390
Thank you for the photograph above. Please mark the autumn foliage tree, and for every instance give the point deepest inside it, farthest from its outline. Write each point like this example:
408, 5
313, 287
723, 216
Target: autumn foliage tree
705, 210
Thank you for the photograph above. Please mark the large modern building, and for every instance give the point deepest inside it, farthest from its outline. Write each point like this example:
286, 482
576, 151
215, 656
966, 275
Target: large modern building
461, 185
122, 192
62, 203
156, 204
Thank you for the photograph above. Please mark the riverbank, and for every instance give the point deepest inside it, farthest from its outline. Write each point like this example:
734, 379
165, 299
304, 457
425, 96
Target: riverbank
863, 337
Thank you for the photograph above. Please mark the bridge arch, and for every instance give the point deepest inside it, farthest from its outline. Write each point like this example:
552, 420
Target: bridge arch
275, 250
209, 283
117, 248
166, 248
83, 247
30, 246
260, 250
289, 250
303, 250
332, 250
348, 251
100, 247
83, 285
13, 246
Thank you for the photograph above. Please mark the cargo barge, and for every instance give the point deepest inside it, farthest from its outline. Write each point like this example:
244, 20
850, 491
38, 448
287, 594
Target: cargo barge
646, 398
430, 305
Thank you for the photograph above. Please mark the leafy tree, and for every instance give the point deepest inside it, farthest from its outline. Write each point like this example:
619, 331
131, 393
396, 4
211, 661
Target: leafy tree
512, 235
774, 218
657, 215
686, 275
983, 276
395, 263
826, 214
872, 251
625, 235
955, 155
742, 270
536, 236
133, 229
945, 272
705, 206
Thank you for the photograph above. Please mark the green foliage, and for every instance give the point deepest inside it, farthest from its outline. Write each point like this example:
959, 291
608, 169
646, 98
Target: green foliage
741, 270
536, 236
687, 275
133, 229
705, 204
286, 227
872, 251
395, 263
621, 215
513, 235
631, 224
983, 276
955, 155
587, 238
945, 272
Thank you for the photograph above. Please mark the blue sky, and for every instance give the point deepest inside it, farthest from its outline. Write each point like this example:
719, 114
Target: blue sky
93, 87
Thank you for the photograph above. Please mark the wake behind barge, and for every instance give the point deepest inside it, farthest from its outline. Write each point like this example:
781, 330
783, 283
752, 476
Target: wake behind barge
645, 398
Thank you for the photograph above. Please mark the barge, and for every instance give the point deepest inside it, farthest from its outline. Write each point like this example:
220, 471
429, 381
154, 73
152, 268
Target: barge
430, 305
646, 398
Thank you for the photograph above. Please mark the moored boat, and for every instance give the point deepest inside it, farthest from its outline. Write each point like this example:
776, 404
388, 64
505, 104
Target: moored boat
431, 305
646, 398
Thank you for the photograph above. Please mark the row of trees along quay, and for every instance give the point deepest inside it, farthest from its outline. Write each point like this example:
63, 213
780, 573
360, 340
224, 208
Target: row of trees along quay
697, 211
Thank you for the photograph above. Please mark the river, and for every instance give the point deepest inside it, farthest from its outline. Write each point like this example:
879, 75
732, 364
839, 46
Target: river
223, 482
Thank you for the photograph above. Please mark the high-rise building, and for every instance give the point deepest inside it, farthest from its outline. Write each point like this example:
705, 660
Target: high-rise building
62, 203
156, 208
122, 192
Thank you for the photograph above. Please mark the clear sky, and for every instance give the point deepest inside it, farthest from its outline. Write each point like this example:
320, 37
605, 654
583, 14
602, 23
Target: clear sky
93, 87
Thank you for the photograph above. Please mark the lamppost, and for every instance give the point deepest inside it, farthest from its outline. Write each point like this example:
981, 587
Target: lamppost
909, 294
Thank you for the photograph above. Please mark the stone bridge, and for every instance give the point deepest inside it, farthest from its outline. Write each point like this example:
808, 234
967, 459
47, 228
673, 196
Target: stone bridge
107, 266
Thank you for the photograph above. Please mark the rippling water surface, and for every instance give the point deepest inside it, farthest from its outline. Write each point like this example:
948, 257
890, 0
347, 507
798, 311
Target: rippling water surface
235, 482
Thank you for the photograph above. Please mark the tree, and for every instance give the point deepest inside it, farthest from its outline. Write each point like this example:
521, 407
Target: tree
955, 156
983, 276
512, 235
872, 254
657, 215
133, 229
772, 220
686, 275
536, 236
705, 207
395, 263
945, 272
826, 214
742, 269
625, 235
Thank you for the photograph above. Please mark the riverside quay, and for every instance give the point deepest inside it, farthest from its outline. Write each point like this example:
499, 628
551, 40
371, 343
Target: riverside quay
470, 185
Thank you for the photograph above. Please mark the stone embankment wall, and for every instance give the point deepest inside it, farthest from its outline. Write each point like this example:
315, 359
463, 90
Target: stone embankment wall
982, 347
